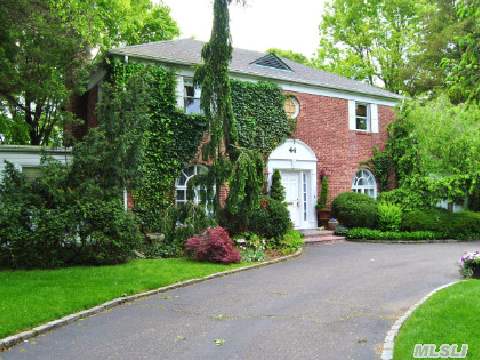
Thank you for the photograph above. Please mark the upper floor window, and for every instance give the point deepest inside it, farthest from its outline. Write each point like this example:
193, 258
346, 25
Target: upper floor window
191, 98
362, 116
364, 183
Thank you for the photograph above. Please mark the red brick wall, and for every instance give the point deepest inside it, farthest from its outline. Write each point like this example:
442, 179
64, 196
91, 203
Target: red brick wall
323, 125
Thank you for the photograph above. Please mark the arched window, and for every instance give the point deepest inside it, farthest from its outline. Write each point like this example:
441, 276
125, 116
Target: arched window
364, 183
182, 195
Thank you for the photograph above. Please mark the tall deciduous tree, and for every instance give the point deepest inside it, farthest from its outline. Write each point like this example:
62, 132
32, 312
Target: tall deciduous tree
289, 54
371, 40
48, 46
464, 70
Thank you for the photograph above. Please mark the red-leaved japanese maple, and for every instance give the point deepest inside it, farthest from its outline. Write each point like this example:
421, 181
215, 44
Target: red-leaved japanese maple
214, 245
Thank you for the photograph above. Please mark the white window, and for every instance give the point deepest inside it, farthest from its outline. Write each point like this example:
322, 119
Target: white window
191, 98
363, 116
182, 194
364, 183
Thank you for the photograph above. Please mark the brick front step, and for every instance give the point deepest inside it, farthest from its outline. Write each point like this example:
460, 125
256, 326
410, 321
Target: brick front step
323, 239
317, 236
307, 234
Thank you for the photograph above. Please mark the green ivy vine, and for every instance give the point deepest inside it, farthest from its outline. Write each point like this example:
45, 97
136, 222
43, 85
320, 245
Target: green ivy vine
173, 138
261, 121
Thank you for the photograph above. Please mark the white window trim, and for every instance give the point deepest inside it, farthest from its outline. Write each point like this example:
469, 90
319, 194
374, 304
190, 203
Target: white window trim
365, 189
372, 117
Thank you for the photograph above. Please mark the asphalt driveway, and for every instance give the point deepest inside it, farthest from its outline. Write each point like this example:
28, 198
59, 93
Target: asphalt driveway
335, 302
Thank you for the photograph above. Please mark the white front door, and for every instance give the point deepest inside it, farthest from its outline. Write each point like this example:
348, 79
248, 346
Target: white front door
291, 184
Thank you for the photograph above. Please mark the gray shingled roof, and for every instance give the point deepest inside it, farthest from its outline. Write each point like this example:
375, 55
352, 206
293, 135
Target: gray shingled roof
187, 52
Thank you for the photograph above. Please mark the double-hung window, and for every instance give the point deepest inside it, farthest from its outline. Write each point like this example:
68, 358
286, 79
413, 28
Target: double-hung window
191, 98
362, 116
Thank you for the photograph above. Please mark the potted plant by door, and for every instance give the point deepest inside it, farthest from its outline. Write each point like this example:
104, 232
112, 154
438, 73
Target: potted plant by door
323, 212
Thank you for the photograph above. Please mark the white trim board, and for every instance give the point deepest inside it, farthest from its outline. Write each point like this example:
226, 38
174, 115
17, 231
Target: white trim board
186, 70
308, 89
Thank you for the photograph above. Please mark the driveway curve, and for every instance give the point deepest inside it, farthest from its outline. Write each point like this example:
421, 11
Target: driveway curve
334, 302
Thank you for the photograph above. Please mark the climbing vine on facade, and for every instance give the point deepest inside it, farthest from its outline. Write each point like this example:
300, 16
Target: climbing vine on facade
171, 140
261, 121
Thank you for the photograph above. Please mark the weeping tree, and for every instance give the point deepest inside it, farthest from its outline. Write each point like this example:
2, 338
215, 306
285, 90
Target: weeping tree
212, 75
216, 102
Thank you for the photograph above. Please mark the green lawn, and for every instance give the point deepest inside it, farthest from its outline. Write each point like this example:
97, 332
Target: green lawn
29, 298
449, 317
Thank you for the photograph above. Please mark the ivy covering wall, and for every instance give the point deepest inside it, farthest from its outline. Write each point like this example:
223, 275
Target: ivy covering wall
171, 141
172, 138
260, 117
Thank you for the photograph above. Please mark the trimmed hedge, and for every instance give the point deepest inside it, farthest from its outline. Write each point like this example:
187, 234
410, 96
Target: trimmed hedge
355, 210
464, 225
425, 220
369, 234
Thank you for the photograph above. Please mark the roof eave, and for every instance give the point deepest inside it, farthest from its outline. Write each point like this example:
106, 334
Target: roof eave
394, 97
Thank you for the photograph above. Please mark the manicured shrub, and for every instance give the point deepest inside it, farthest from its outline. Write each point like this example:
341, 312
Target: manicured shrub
214, 245
271, 220
277, 190
464, 225
389, 217
425, 220
369, 234
355, 210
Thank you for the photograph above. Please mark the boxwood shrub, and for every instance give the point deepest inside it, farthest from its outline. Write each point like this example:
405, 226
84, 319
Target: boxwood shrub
464, 225
425, 220
355, 210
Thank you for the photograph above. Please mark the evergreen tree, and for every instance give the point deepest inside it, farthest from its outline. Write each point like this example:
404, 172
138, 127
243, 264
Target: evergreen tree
277, 189
322, 202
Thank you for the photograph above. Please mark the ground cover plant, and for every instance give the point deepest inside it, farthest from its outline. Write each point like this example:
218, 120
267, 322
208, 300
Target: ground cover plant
29, 298
446, 318
369, 234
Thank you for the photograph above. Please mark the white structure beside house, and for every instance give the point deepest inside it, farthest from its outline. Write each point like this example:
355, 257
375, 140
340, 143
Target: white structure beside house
27, 158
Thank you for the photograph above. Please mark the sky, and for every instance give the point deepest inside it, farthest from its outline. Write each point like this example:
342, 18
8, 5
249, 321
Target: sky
262, 24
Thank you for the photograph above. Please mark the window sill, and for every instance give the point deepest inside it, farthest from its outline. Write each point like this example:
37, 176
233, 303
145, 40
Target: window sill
362, 132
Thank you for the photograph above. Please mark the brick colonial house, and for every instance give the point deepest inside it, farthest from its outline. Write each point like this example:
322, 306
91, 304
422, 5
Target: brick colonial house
339, 121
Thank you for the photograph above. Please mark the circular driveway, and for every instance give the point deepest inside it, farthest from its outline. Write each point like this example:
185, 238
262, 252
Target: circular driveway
334, 302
